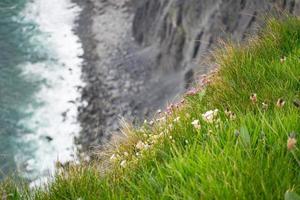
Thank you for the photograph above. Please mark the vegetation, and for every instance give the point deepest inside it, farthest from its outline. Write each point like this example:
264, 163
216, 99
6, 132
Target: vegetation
235, 138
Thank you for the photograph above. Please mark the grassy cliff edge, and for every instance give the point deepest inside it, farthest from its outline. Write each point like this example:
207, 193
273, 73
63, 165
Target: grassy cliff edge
234, 136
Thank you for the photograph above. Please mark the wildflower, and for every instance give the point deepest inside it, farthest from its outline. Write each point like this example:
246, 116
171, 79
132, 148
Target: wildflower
113, 157
123, 163
140, 145
232, 116
227, 112
196, 124
280, 103
210, 116
265, 106
146, 146
126, 154
177, 119
170, 109
151, 123
291, 143
282, 59
192, 92
253, 98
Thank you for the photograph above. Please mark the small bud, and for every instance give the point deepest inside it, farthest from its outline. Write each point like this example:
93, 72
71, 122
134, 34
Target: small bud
291, 143
282, 59
123, 163
280, 103
113, 157
236, 133
265, 106
231, 115
253, 98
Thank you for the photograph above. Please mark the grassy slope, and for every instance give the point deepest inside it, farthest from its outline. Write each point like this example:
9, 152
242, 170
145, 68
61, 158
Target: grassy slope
242, 158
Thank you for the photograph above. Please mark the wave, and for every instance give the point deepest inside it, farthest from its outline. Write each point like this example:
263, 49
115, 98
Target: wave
52, 116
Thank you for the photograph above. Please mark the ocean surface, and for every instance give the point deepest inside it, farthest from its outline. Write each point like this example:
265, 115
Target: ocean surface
40, 81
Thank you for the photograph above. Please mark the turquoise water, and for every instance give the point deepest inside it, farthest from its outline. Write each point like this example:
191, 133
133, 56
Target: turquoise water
39, 72
15, 92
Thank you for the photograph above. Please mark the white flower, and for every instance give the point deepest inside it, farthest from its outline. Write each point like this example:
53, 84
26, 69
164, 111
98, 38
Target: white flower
147, 146
140, 145
113, 157
177, 119
196, 124
123, 163
210, 116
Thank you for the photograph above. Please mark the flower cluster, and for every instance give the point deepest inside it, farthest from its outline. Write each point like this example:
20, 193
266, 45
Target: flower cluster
196, 124
210, 116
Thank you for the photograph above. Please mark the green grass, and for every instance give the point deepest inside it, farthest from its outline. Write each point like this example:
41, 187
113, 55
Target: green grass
245, 157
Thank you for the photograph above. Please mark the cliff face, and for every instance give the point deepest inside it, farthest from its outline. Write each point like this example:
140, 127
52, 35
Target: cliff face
183, 31
132, 78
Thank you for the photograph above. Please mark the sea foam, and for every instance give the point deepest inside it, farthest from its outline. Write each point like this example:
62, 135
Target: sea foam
52, 122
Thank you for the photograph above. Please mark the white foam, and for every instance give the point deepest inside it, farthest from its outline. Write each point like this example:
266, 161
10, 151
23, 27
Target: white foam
61, 75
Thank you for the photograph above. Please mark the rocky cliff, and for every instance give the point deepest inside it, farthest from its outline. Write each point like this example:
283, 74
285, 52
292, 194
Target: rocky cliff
183, 31
132, 77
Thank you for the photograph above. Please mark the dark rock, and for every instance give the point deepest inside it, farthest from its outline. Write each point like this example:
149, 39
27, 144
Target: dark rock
48, 138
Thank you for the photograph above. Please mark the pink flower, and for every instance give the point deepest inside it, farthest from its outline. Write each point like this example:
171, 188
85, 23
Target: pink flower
192, 92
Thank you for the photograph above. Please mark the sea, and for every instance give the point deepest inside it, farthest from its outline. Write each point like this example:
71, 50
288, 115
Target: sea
40, 81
